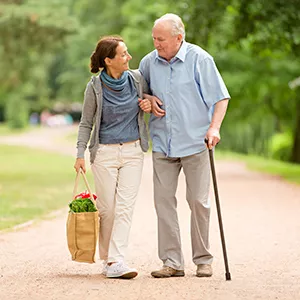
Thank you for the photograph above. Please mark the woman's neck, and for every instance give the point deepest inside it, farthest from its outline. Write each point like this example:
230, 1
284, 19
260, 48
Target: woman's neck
114, 74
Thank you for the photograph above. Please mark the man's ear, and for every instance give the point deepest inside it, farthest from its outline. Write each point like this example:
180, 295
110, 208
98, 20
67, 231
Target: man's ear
179, 38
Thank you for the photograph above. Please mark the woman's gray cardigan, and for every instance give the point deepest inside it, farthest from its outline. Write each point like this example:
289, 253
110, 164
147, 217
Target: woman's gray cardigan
91, 115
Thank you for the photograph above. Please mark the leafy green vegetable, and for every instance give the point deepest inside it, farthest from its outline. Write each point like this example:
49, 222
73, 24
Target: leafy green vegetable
82, 205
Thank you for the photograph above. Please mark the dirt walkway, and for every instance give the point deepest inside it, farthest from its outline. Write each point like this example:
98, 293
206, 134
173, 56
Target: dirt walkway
262, 228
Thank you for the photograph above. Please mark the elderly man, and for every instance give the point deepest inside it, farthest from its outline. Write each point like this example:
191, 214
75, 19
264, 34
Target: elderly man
189, 101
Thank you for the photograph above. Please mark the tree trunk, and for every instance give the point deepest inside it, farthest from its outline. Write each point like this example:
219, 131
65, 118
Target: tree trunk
296, 145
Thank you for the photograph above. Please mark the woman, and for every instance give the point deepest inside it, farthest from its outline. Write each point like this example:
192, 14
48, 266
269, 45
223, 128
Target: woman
114, 110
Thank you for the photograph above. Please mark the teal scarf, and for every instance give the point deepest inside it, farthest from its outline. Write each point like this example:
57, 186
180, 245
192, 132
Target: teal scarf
115, 84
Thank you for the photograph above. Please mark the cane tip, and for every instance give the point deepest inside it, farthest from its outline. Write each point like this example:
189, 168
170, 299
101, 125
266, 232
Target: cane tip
228, 276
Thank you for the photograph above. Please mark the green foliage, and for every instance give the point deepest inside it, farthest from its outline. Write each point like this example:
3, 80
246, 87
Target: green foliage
137, 32
247, 137
262, 102
75, 58
35, 26
82, 205
270, 24
30, 31
202, 19
16, 118
281, 146
272, 31
46, 48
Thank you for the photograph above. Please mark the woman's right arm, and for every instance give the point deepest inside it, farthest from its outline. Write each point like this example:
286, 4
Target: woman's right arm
85, 125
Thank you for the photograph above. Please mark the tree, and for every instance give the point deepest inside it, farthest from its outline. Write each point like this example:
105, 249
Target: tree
273, 27
29, 31
96, 19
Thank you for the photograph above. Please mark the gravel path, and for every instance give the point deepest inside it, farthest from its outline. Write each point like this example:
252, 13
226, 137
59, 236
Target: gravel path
262, 229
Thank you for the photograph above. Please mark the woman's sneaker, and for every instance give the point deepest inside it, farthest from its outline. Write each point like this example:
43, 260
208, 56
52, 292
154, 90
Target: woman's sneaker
120, 270
104, 268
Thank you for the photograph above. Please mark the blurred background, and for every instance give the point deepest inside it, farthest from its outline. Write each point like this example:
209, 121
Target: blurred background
45, 47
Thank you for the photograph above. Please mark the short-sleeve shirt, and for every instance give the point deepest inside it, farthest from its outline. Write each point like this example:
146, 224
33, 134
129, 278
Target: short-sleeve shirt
189, 86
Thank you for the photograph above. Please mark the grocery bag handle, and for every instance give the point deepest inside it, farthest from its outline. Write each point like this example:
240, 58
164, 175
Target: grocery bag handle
86, 183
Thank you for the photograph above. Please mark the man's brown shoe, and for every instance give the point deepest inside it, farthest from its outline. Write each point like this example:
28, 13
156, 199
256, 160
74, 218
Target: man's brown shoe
166, 272
204, 271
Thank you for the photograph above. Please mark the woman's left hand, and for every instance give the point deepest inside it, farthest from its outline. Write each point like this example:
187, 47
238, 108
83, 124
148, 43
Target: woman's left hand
145, 105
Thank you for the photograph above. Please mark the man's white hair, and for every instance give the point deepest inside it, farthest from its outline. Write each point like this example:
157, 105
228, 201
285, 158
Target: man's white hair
175, 22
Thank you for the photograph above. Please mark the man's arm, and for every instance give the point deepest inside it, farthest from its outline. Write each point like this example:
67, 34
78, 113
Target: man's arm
213, 132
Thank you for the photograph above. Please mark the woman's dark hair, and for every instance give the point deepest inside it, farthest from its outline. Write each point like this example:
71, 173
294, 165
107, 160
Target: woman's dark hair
106, 47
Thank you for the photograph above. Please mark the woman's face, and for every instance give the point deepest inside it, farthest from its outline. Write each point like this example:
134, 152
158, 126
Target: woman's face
119, 63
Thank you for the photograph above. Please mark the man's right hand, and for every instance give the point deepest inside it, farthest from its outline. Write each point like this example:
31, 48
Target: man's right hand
156, 110
80, 163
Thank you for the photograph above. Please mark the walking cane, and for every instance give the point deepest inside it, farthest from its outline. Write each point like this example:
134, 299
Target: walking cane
214, 177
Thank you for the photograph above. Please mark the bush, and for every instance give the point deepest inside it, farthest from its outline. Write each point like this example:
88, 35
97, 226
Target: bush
16, 112
281, 146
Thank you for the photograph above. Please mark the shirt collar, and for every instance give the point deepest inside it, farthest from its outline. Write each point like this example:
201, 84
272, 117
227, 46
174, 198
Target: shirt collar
180, 54
182, 51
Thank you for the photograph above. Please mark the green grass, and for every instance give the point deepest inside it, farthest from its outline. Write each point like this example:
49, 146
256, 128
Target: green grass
33, 183
287, 171
5, 130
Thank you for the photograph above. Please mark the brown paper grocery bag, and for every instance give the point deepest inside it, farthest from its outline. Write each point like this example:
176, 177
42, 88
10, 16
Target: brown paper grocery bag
82, 230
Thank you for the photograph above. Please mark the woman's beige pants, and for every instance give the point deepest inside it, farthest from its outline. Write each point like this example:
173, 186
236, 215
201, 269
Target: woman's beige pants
117, 173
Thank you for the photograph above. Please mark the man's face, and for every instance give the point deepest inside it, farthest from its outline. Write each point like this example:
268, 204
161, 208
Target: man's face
166, 44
